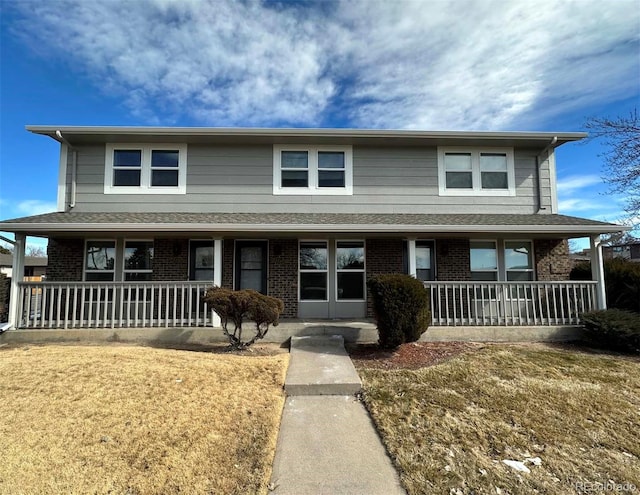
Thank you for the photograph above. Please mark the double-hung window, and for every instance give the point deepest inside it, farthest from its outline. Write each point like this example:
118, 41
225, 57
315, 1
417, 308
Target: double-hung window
518, 260
322, 170
145, 169
484, 261
100, 261
138, 261
131, 261
502, 260
467, 171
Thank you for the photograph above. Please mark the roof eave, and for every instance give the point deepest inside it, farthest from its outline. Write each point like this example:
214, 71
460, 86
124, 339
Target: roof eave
50, 130
319, 228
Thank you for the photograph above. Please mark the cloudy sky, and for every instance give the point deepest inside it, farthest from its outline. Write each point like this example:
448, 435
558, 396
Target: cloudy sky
415, 64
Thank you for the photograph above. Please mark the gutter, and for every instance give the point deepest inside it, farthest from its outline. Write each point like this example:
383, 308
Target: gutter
74, 163
547, 150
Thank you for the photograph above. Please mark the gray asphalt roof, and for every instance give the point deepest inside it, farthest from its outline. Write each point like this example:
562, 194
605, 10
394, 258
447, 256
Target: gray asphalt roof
304, 219
153, 223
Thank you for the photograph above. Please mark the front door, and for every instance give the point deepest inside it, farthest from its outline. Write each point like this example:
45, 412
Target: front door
332, 279
251, 265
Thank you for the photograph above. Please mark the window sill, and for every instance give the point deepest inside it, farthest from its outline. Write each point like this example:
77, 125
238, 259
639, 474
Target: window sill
303, 191
144, 190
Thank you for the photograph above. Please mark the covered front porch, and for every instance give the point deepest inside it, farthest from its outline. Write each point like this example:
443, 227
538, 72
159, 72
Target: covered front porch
145, 276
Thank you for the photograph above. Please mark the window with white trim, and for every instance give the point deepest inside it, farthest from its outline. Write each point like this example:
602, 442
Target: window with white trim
510, 260
518, 260
322, 170
484, 261
350, 270
313, 270
100, 261
476, 171
145, 169
138, 261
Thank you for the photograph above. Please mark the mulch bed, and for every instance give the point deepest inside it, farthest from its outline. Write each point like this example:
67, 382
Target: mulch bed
408, 356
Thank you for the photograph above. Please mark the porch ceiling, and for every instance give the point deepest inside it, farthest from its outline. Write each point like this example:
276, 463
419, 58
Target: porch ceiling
449, 224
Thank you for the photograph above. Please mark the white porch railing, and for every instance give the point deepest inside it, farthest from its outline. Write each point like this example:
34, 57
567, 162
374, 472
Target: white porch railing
510, 303
113, 304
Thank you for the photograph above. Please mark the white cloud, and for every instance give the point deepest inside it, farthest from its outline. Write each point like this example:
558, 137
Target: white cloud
30, 207
483, 64
572, 183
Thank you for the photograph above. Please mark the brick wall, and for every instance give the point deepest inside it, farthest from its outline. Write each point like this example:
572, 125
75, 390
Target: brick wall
552, 259
283, 274
227, 263
453, 260
170, 259
383, 256
66, 258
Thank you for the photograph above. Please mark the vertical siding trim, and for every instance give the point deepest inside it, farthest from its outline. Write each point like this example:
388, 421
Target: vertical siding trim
62, 177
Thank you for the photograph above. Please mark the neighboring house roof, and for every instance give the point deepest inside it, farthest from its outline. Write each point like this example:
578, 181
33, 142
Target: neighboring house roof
7, 260
306, 222
212, 135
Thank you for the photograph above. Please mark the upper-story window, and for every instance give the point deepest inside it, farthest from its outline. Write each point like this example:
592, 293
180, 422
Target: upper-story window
145, 169
476, 171
312, 169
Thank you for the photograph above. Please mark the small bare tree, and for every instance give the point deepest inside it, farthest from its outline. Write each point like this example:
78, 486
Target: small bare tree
236, 306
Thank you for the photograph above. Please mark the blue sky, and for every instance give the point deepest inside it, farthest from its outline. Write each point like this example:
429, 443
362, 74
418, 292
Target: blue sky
431, 65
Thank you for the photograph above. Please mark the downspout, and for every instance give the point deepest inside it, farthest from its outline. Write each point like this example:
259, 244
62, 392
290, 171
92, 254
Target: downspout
74, 162
549, 147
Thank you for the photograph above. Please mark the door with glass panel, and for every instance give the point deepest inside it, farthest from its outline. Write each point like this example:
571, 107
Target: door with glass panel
332, 279
201, 254
251, 265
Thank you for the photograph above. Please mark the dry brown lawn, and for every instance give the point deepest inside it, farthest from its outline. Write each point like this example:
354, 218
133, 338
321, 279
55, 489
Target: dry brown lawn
123, 419
448, 427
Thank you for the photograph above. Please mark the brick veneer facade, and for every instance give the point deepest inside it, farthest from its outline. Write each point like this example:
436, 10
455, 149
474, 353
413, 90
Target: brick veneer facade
283, 274
66, 258
227, 263
383, 256
170, 259
552, 259
453, 260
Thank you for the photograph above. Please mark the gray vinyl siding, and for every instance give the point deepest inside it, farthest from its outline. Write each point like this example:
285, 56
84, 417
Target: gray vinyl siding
240, 179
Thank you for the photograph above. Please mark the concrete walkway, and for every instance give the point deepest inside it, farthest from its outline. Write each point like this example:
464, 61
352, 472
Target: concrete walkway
327, 442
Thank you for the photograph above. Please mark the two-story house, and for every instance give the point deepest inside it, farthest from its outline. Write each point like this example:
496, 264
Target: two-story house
148, 217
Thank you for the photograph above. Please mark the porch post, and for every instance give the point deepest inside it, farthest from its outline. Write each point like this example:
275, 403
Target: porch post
597, 270
17, 275
411, 254
217, 274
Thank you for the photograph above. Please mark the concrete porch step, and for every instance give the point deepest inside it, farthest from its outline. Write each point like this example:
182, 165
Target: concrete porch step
320, 365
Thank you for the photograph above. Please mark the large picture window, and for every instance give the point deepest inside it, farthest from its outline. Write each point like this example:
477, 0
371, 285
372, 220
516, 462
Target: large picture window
145, 169
313, 270
350, 270
312, 169
485, 171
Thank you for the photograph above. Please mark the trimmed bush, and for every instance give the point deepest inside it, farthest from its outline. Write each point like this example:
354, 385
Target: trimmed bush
622, 281
401, 308
236, 306
613, 329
